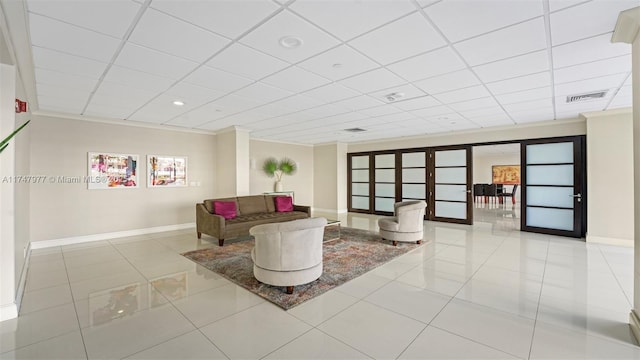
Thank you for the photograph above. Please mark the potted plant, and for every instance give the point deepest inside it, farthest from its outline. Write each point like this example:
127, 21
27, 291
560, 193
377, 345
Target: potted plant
274, 168
5, 141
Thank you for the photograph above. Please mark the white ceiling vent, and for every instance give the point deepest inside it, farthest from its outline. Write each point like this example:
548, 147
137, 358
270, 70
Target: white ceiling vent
355, 130
586, 96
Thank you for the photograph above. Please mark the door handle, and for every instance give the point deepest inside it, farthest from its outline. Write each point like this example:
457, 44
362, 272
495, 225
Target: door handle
468, 191
578, 195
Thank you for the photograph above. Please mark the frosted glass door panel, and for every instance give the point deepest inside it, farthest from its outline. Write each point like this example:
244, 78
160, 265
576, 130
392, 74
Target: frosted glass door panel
451, 192
413, 175
360, 189
413, 159
360, 162
451, 175
385, 161
550, 175
383, 204
414, 191
454, 210
360, 202
550, 196
388, 175
386, 190
360, 175
559, 219
451, 158
557, 153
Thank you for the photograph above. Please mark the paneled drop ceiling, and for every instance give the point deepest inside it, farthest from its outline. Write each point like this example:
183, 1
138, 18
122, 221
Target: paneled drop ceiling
392, 67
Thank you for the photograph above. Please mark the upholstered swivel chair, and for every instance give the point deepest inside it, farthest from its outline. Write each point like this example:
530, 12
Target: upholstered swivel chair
407, 224
288, 253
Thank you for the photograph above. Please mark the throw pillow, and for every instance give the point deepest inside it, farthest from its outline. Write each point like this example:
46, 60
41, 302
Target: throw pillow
283, 203
226, 209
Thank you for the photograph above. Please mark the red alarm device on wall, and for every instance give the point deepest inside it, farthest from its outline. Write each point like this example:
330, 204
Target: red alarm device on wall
21, 106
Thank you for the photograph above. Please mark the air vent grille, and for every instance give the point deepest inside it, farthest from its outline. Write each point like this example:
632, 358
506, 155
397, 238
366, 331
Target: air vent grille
355, 130
586, 96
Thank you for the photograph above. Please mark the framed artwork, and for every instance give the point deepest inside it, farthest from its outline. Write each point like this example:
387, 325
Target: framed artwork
506, 174
112, 171
166, 171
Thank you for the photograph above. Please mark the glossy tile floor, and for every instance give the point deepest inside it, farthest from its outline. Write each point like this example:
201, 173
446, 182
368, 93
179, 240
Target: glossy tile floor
485, 291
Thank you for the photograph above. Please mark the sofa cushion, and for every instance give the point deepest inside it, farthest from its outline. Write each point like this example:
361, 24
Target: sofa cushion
284, 204
252, 204
270, 201
227, 209
208, 204
247, 221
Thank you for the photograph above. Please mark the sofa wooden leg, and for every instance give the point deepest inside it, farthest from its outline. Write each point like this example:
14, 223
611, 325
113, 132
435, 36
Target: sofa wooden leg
419, 242
199, 234
289, 289
395, 243
220, 242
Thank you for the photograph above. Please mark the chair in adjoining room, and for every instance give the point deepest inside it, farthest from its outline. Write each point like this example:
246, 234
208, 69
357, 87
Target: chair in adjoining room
407, 224
478, 190
492, 192
511, 194
288, 253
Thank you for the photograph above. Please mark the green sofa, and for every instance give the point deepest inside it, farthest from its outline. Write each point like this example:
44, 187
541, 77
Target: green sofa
251, 210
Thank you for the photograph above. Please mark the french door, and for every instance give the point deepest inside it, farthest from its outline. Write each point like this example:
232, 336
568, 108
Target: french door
450, 179
439, 176
553, 179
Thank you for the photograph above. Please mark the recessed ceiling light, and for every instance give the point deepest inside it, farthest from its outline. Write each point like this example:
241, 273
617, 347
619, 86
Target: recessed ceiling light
178, 103
290, 42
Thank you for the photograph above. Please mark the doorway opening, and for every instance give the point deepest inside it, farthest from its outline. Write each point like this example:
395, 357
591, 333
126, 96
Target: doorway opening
497, 186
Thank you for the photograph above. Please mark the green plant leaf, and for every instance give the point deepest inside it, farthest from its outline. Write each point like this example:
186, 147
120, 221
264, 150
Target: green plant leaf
270, 167
287, 166
5, 142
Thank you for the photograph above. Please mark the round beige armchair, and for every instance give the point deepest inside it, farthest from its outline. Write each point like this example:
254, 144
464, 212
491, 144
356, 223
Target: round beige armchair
407, 224
288, 253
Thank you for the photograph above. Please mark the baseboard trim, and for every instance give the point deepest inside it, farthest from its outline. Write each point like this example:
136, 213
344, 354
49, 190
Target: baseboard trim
106, 236
634, 324
333, 211
8, 311
609, 241
23, 277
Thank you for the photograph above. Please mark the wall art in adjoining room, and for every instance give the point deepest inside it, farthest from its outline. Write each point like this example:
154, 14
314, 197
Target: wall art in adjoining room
506, 174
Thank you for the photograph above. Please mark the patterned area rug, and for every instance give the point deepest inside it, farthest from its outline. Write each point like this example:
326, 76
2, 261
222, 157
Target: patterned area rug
353, 254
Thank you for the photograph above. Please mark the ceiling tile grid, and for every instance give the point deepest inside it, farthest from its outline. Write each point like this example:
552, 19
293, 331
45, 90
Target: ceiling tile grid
304, 70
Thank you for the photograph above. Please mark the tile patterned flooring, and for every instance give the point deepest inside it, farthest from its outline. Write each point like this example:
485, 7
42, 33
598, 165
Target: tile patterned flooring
486, 291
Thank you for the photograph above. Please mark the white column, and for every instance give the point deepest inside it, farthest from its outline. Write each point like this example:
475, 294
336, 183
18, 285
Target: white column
628, 31
330, 170
232, 177
8, 308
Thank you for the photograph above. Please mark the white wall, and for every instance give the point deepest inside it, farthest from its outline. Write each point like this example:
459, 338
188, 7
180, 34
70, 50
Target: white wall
514, 132
610, 213
8, 308
301, 183
59, 147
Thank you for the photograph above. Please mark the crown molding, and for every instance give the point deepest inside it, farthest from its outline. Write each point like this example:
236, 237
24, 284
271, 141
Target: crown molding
119, 122
613, 112
282, 142
627, 26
